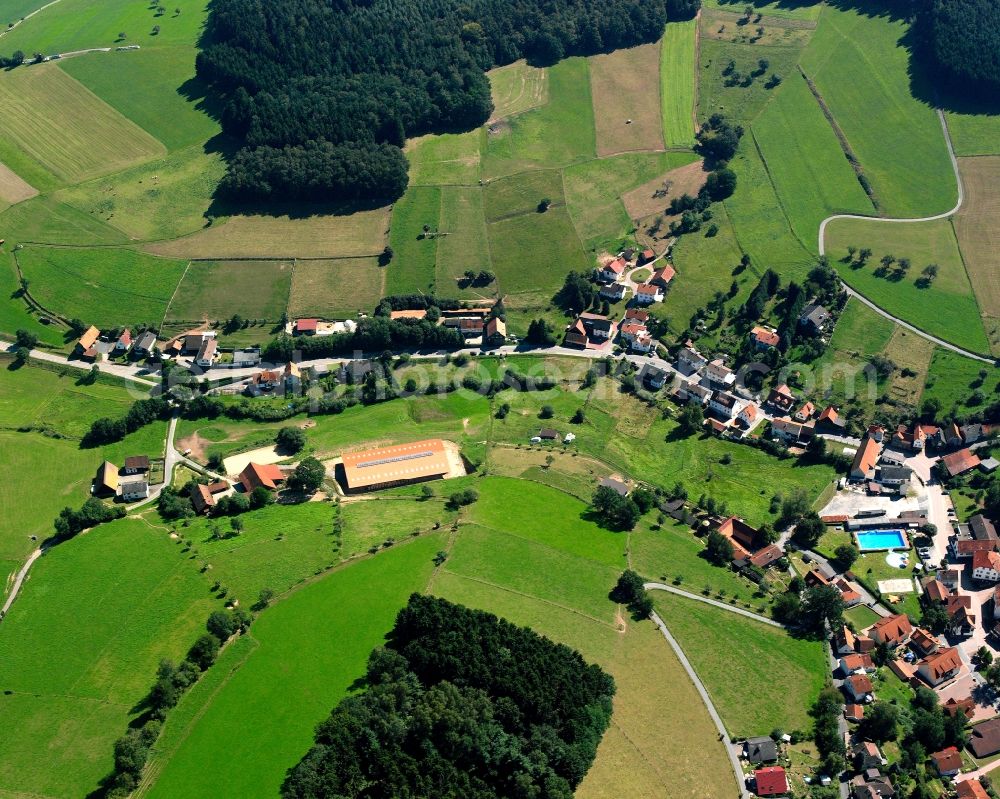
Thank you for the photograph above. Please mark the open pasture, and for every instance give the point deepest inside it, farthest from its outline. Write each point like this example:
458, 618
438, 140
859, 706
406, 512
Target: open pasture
80, 649
216, 290
861, 330
446, 159
951, 378
516, 88
912, 355
105, 287
860, 67
785, 9
16, 314
741, 103
677, 82
946, 308
653, 196
80, 24
522, 194
416, 219
975, 134
152, 87
44, 219
731, 653
335, 288
66, 128
285, 236
554, 135
337, 621
976, 226
465, 245
812, 178
625, 87
732, 26
371, 523
155, 200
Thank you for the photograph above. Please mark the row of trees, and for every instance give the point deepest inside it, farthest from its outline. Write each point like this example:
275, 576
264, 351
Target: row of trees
324, 94
461, 705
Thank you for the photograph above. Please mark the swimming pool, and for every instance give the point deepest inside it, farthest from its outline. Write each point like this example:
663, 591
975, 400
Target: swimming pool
874, 540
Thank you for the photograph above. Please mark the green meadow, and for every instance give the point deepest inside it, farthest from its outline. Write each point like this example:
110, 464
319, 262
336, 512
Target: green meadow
414, 252
677, 78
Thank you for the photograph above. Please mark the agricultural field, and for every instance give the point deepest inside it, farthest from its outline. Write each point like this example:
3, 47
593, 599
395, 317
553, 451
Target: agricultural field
946, 307
860, 330
105, 287
465, 244
861, 70
67, 129
677, 82
517, 88
14, 189
14, 312
207, 291
731, 654
80, 650
447, 159
414, 251
912, 355
625, 86
975, 133
812, 178
336, 288
953, 380
976, 229
45, 220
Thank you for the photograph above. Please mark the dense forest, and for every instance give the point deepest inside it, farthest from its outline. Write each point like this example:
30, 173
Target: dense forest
323, 93
965, 37
460, 705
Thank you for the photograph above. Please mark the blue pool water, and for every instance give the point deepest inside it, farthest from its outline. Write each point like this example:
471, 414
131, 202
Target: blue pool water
870, 540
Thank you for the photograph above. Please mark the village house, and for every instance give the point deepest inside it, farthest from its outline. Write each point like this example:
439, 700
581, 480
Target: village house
892, 630
848, 592
145, 344
844, 641
648, 293
859, 688
985, 738
764, 338
986, 566
724, 405
106, 481
780, 399
866, 755
693, 393
305, 327
85, 346
856, 664
636, 315
261, 475
971, 789
853, 712
689, 361
960, 462
612, 271
134, 489
744, 538
630, 331
805, 412
966, 706
770, 781
662, 276
792, 433
948, 762
203, 496
814, 318
829, 421
207, 353
923, 643
940, 667
747, 418
718, 376
646, 256
760, 750
124, 341
137, 464
613, 291
894, 475
246, 357
652, 377
971, 433
618, 486
495, 332
963, 549
872, 784
266, 380
590, 331
982, 529
863, 466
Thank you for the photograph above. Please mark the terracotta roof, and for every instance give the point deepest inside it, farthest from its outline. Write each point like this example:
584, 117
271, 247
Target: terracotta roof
765, 336
971, 789
107, 476
970, 546
866, 457
256, 474
771, 781
663, 275
137, 462
763, 558
741, 533
617, 266
988, 559
892, 629
125, 338
829, 414
201, 498
966, 706
749, 412
854, 662
854, 712
923, 640
306, 325
936, 590
960, 462
947, 760
415, 461
859, 684
648, 288
941, 664
638, 314
89, 337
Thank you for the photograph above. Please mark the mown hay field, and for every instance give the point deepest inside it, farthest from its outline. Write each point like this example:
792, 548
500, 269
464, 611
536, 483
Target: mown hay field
977, 226
336, 288
66, 128
625, 87
218, 289
677, 82
517, 88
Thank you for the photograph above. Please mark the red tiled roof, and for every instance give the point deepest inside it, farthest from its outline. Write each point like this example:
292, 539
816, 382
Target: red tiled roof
892, 629
306, 325
617, 266
866, 457
638, 314
663, 275
765, 336
960, 462
829, 414
972, 789
771, 781
947, 760
939, 665
257, 474
988, 559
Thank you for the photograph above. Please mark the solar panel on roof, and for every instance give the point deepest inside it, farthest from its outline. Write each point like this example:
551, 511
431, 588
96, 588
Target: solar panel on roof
382, 461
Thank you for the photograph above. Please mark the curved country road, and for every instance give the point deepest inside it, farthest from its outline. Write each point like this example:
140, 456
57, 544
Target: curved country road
958, 205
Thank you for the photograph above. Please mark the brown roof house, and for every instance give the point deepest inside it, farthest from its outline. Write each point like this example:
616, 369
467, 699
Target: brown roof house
892, 630
948, 762
374, 469
858, 687
985, 738
940, 667
960, 462
137, 464
863, 467
256, 475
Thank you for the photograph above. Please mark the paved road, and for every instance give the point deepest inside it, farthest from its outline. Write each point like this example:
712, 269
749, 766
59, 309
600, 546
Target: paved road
731, 751
124, 371
958, 205
709, 601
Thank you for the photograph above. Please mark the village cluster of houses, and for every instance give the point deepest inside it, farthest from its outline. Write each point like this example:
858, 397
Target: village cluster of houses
91, 344
130, 483
201, 346
477, 326
614, 287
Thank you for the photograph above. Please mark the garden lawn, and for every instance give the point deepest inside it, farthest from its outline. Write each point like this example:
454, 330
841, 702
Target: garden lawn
151, 87
414, 252
56, 121
947, 308
861, 68
554, 135
677, 82
207, 291
759, 677
862, 616
812, 178
155, 200
104, 287
312, 646
337, 288
80, 648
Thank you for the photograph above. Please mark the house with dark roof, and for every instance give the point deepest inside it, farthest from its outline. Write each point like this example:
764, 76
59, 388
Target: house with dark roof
982, 529
760, 750
689, 361
619, 487
652, 377
866, 755
791, 432
590, 331
872, 784
135, 488
814, 318
985, 738
780, 399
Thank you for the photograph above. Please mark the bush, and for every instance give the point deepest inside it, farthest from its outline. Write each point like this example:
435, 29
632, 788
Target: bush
290, 440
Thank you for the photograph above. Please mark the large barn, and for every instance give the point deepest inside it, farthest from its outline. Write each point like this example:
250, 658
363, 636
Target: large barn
386, 467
